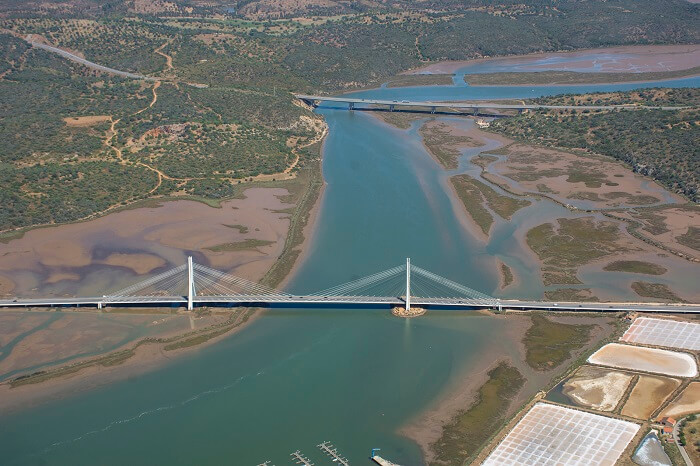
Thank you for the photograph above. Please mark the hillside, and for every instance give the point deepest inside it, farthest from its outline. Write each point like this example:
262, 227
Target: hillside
220, 112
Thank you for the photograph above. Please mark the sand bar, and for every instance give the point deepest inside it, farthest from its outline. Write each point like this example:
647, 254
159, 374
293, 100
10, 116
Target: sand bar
645, 359
633, 59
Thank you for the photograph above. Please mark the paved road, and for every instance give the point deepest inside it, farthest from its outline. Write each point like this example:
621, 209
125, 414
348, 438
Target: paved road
331, 301
472, 105
88, 63
681, 448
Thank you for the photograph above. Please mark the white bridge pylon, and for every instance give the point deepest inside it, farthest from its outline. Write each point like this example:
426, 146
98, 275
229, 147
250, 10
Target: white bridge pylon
193, 284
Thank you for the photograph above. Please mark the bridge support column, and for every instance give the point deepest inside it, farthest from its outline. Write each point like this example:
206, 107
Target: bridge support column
432, 109
351, 105
99, 305
190, 284
391, 107
476, 111
408, 284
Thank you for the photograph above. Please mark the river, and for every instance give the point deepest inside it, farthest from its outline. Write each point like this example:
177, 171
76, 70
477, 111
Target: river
295, 378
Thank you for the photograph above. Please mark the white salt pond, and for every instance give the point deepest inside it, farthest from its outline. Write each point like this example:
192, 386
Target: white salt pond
554, 435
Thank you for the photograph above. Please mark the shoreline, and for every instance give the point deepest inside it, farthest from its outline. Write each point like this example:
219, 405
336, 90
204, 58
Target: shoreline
449, 67
597, 83
145, 355
426, 428
309, 230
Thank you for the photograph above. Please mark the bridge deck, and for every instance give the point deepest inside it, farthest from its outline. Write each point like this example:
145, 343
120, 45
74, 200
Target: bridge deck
471, 105
358, 301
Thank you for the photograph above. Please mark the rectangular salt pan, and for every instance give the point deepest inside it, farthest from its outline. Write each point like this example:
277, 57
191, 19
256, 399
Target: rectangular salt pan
554, 435
663, 332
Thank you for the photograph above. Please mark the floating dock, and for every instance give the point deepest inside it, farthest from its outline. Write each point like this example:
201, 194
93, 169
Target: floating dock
299, 458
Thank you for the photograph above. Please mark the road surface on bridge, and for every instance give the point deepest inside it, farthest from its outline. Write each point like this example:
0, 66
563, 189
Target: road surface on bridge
471, 105
359, 301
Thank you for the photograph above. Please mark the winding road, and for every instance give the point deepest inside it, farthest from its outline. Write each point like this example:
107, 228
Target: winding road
88, 63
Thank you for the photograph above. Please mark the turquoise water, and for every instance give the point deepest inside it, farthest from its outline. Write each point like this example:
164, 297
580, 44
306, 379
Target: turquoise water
295, 378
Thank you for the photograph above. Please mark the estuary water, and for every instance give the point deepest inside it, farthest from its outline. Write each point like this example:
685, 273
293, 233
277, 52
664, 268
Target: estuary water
295, 378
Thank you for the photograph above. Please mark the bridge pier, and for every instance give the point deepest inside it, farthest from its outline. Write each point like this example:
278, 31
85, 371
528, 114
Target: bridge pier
408, 284
432, 109
351, 105
391, 107
190, 284
476, 111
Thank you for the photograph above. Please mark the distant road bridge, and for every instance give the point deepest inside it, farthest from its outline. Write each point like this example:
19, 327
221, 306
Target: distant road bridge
471, 107
193, 285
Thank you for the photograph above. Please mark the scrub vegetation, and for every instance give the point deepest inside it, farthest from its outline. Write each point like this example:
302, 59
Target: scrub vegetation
507, 275
565, 245
658, 291
470, 429
572, 77
442, 142
647, 268
550, 343
475, 196
220, 112
660, 144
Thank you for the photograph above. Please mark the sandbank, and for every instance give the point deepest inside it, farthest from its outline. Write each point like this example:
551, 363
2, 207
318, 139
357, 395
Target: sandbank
146, 357
633, 58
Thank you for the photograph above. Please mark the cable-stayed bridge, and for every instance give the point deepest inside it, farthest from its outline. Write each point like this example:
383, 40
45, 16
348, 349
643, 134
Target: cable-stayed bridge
193, 285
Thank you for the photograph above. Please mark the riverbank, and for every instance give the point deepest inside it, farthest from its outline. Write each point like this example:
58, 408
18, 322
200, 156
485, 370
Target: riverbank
129, 361
278, 221
566, 78
644, 58
458, 425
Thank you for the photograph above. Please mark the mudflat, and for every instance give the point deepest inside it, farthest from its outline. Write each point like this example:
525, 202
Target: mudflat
581, 179
90, 258
641, 58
